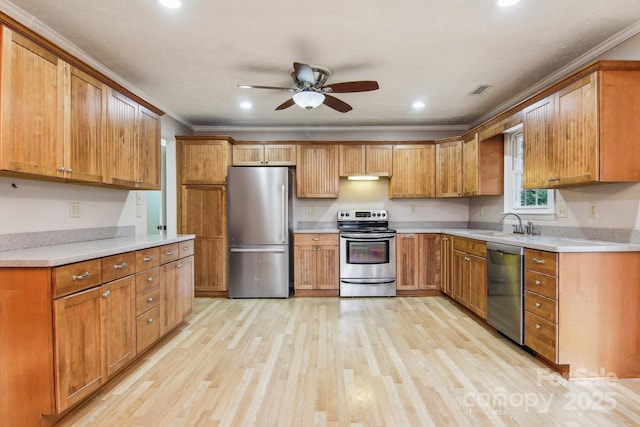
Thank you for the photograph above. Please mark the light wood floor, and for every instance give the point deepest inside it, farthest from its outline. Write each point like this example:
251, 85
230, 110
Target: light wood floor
357, 362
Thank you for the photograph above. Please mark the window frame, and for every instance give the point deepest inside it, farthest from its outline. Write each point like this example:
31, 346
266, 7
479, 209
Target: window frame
510, 182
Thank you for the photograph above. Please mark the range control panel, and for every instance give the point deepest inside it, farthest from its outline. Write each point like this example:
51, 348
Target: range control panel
363, 215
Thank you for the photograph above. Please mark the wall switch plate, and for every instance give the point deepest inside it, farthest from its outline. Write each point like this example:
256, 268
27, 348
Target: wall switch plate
310, 210
138, 199
74, 209
562, 210
593, 210
138, 211
412, 208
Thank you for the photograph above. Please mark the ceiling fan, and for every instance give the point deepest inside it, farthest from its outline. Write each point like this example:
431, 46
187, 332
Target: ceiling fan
311, 90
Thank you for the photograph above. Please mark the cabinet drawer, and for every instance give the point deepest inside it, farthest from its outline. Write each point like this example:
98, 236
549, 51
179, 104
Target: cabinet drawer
117, 266
147, 328
544, 307
541, 261
71, 278
470, 246
169, 253
540, 335
147, 258
541, 284
147, 300
147, 279
315, 239
185, 249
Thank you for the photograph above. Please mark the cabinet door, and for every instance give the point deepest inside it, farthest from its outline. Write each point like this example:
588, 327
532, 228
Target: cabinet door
576, 147
407, 262
304, 267
122, 140
119, 298
538, 168
85, 122
79, 341
148, 170
470, 181
478, 285
169, 296
326, 267
445, 251
248, 155
449, 169
185, 268
280, 154
413, 171
460, 277
429, 257
202, 161
32, 107
379, 160
317, 171
352, 160
204, 213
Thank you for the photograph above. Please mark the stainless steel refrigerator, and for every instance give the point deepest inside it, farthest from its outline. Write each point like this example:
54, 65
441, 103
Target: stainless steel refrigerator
259, 203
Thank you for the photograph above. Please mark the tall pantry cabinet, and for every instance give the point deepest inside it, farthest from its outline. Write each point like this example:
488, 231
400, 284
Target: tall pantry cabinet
201, 163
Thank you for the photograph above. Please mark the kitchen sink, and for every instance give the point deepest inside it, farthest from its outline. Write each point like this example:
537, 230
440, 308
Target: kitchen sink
496, 234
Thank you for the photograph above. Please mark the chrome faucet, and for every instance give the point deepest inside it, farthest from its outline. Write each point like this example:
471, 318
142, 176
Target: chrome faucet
516, 228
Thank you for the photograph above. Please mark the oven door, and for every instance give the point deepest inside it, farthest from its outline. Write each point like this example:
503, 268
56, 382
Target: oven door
367, 255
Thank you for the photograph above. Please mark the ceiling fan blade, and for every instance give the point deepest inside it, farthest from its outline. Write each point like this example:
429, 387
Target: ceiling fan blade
359, 86
285, 104
288, 89
336, 104
304, 73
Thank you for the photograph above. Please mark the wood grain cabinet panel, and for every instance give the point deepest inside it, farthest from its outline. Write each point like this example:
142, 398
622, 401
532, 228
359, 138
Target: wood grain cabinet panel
122, 140
483, 166
449, 169
149, 167
120, 322
469, 274
445, 258
413, 171
203, 160
317, 171
316, 262
264, 155
418, 262
539, 134
366, 159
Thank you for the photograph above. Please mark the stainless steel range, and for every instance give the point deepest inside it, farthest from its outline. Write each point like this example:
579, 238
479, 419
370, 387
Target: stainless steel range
367, 254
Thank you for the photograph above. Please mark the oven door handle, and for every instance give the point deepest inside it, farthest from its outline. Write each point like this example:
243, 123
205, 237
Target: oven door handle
368, 236
368, 282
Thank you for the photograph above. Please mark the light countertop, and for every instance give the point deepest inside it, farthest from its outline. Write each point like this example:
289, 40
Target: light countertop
52, 256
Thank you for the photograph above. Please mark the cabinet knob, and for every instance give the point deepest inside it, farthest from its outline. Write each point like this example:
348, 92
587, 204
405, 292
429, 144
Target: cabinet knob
538, 305
538, 282
106, 294
180, 265
538, 326
61, 169
150, 320
69, 170
150, 279
150, 299
84, 275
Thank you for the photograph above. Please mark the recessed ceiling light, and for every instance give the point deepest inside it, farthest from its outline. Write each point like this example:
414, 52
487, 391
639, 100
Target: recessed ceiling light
246, 105
418, 105
172, 4
506, 3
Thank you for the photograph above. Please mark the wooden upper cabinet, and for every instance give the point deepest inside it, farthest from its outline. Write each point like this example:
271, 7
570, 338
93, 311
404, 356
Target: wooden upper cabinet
149, 151
449, 169
203, 160
122, 140
31, 93
84, 125
366, 159
264, 155
483, 166
317, 171
413, 171
538, 133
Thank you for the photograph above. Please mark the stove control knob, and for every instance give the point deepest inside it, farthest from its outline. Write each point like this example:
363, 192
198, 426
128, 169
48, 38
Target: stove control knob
347, 214
384, 214
341, 214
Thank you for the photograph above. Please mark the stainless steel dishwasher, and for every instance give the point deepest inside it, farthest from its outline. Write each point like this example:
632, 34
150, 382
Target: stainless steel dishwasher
505, 289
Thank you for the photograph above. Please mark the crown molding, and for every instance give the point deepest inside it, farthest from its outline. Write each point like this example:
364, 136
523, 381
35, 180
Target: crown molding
408, 128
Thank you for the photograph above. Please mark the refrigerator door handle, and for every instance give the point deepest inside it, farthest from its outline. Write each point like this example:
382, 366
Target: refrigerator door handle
252, 250
285, 214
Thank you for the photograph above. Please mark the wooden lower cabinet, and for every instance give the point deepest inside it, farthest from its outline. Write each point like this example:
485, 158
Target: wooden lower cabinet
316, 263
445, 261
84, 323
469, 274
418, 262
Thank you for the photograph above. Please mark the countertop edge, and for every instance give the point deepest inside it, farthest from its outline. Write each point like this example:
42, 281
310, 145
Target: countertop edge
56, 255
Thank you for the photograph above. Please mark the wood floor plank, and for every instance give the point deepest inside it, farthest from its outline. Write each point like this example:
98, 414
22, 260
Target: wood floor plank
349, 362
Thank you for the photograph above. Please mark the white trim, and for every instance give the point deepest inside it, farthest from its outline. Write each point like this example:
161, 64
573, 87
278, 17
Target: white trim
415, 128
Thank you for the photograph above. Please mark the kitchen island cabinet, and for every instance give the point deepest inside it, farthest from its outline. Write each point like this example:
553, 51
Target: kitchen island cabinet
79, 325
316, 264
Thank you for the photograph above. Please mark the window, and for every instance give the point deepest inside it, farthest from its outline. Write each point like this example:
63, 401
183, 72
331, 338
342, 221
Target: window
518, 200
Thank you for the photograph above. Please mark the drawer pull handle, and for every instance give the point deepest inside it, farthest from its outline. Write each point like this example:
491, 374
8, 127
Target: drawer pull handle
180, 265
148, 258
106, 294
538, 326
187, 248
150, 299
538, 261
84, 275
120, 266
171, 253
317, 239
538, 305
150, 279
538, 282
150, 320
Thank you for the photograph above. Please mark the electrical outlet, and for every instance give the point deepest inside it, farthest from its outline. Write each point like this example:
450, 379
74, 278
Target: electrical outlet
74, 209
593, 210
412, 208
138, 211
310, 210
138, 199
562, 210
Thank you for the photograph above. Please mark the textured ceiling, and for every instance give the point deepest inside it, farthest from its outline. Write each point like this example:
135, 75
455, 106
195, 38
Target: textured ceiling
190, 60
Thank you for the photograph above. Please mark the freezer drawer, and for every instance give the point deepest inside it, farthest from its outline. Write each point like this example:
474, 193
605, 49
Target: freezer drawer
259, 272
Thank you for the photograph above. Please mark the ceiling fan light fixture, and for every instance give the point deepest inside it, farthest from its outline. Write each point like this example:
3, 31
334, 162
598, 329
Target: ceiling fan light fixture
506, 3
171, 4
308, 99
